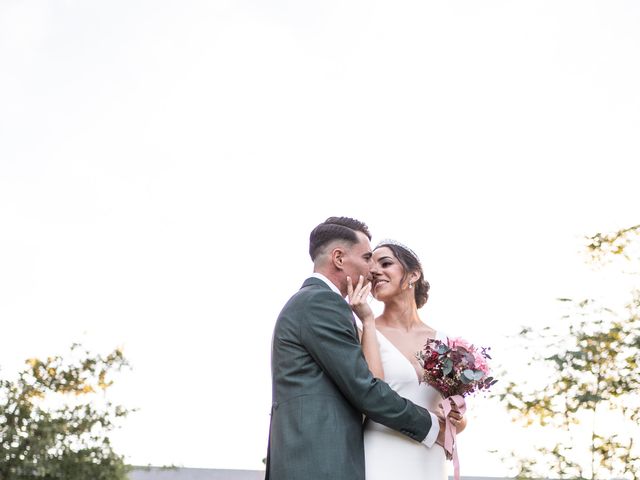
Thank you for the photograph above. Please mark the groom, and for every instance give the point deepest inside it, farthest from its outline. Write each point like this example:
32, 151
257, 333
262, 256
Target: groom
321, 384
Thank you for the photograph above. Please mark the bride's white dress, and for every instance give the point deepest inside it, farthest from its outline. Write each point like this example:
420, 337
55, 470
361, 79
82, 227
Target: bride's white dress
389, 455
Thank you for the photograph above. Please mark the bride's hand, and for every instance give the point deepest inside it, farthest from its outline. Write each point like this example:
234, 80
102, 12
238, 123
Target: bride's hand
458, 420
358, 299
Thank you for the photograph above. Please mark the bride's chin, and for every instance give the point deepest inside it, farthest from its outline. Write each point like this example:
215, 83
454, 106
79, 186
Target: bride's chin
379, 297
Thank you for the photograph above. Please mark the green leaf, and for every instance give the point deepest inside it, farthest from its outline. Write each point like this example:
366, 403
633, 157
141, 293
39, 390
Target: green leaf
447, 366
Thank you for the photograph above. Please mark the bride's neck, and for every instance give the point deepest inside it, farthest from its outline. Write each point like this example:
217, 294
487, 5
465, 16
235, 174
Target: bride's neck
400, 314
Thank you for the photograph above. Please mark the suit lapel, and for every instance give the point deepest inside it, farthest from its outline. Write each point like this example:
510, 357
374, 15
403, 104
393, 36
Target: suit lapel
316, 282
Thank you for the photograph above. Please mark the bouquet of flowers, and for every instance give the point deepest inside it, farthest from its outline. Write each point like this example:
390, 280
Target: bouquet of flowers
456, 369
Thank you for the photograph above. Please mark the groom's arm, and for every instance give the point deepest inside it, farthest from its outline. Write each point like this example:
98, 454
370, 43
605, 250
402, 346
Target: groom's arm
327, 332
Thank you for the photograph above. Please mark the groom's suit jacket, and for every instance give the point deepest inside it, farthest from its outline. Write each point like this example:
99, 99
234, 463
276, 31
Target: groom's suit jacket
321, 387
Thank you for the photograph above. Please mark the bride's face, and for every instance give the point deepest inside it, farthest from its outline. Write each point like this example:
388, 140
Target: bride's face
387, 274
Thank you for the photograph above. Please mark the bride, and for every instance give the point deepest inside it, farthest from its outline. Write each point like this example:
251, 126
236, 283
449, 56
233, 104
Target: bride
390, 343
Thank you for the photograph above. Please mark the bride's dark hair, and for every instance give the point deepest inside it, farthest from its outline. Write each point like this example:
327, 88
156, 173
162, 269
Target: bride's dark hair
410, 263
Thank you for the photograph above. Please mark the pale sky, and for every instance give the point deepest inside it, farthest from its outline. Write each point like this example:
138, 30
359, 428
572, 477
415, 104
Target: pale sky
162, 164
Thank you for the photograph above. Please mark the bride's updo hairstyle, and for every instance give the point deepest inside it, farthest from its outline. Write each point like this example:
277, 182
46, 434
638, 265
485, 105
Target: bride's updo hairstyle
410, 263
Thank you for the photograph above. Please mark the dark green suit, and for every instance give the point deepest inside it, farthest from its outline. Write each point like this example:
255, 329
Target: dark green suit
321, 388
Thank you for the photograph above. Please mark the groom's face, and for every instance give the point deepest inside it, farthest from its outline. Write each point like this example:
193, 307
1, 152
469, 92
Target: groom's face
358, 259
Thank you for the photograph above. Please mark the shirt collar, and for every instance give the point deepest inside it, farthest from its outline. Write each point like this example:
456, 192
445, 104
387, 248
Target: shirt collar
327, 281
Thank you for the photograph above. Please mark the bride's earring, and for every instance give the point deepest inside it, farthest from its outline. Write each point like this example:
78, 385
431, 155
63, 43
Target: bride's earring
410, 284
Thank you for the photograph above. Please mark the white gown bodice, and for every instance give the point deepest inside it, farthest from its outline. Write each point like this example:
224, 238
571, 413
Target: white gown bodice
389, 455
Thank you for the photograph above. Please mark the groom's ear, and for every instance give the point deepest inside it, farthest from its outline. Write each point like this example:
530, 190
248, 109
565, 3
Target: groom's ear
337, 257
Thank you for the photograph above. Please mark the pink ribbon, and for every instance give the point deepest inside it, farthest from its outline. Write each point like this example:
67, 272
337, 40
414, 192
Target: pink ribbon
450, 431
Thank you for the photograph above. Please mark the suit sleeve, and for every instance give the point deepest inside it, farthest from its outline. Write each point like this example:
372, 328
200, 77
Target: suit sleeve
328, 335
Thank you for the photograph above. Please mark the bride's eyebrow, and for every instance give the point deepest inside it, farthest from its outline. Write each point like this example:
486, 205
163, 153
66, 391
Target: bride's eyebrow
385, 258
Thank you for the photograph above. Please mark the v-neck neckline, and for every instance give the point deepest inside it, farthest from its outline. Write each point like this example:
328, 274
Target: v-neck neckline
418, 375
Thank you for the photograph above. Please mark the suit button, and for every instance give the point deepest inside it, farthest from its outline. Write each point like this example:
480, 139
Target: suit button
275, 405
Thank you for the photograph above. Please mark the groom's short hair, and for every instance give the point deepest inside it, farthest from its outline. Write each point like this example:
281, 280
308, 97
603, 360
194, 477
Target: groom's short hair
335, 228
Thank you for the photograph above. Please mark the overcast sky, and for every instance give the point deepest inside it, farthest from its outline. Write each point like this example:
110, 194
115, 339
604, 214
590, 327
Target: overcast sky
162, 164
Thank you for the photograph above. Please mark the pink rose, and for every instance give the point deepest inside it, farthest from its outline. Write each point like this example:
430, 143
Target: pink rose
481, 362
479, 359
460, 342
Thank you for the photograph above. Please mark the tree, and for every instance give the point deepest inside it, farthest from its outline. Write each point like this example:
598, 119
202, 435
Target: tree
588, 403
55, 419
625, 243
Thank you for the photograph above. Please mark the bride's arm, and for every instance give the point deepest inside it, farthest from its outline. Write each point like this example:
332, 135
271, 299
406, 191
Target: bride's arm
371, 348
368, 337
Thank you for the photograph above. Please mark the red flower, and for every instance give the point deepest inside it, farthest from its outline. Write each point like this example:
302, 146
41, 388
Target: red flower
455, 367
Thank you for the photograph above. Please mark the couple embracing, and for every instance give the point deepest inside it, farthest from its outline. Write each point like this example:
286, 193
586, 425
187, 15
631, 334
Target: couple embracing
329, 370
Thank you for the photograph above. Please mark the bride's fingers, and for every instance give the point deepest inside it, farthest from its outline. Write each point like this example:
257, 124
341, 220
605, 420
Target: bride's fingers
358, 293
353, 292
358, 290
364, 293
455, 416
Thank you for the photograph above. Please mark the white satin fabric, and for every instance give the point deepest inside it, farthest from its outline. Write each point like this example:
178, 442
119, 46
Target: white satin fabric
389, 455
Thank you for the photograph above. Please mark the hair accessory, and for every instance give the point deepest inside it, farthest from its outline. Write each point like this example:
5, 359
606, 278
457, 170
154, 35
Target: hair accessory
390, 241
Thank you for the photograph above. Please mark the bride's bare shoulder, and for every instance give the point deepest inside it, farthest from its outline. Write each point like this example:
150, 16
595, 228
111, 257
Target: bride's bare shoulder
427, 332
